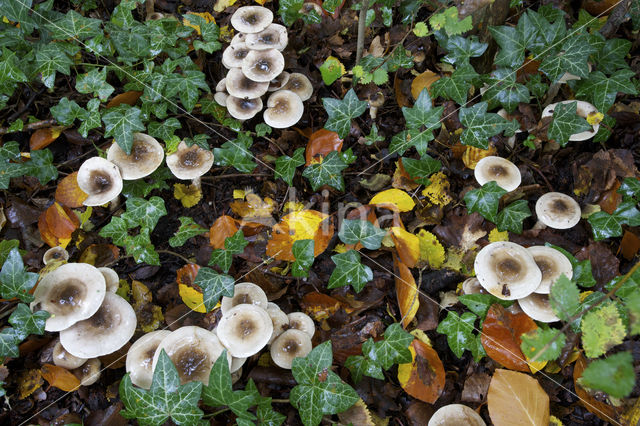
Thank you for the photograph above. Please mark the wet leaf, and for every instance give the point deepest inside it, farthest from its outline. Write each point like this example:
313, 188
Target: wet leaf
60, 378
301, 225
349, 271
517, 398
214, 286
604, 411
361, 231
188, 229
129, 98
422, 81
321, 143
398, 199
188, 195
424, 377
303, 252
42, 138
29, 382
407, 246
56, 224
15, 281
406, 293
614, 375
68, 193
224, 227
341, 112
431, 251
192, 298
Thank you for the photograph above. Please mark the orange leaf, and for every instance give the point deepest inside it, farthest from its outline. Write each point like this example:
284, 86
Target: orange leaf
224, 227
402, 179
56, 224
501, 333
319, 306
60, 378
322, 142
68, 193
629, 245
100, 254
407, 245
601, 409
517, 399
300, 225
424, 377
422, 81
187, 274
43, 137
407, 293
610, 199
129, 98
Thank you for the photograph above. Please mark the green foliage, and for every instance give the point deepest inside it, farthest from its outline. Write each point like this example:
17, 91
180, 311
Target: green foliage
503, 90
328, 172
457, 86
566, 122
15, 281
485, 200
232, 245
512, 216
605, 225
121, 123
141, 188
564, 298
303, 252
5, 249
349, 271
214, 286
361, 231
614, 375
94, 82
236, 153
450, 23
341, 112
480, 125
460, 49
421, 119
602, 328
331, 70
12, 166
188, 229
534, 344
479, 303
286, 166
460, 336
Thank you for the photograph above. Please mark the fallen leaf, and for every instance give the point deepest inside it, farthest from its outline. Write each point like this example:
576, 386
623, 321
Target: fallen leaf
396, 198
424, 377
402, 89
495, 236
517, 399
402, 179
56, 224
320, 306
407, 246
129, 98
302, 225
206, 15
472, 155
422, 81
42, 138
100, 254
406, 293
629, 245
221, 5
358, 414
601, 409
610, 199
224, 227
254, 209
321, 143
438, 190
29, 382
431, 251
68, 193
188, 195
60, 378
192, 297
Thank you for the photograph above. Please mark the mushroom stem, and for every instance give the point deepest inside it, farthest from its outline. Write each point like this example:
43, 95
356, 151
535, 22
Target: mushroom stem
197, 183
362, 19
539, 225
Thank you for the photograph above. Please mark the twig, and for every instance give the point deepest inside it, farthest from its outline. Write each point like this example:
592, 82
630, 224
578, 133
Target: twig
174, 254
362, 20
32, 126
616, 18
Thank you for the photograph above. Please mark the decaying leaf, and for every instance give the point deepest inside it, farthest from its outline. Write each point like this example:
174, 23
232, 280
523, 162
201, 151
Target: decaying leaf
320, 306
604, 411
321, 143
223, 228
517, 399
437, 192
431, 251
395, 199
56, 224
100, 254
149, 315
254, 209
358, 414
407, 246
422, 81
28, 382
129, 98
401, 179
188, 195
472, 155
302, 225
191, 296
60, 378
424, 377
68, 193
406, 293
41, 138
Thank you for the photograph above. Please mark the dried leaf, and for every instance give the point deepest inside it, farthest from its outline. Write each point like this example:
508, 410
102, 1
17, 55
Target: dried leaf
41, 138
224, 227
188, 195
321, 143
402, 88
29, 382
424, 377
254, 209
303, 225
321, 306
100, 254
472, 155
185, 277
395, 199
629, 245
517, 399
56, 224
129, 98
438, 190
402, 179
68, 193
422, 81
358, 414
407, 246
407, 293
60, 378
431, 251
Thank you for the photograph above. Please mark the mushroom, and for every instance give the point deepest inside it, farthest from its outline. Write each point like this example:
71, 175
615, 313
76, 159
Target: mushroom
279, 319
55, 253
64, 359
251, 19
236, 364
244, 293
279, 82
454, 415
263, 65
190, 162
507, 270
240, 86
472, 286
303, 322
146, 156
537, 306
221, 98
89, 372
111, 279
376, 101
273, 37
284, 109
193, 350
238, 38
557, 210
100, 179
233, 55
140, 357
301, 86
308, 6
583, 109
109, 329
552, 264
289, 345
243, 109
244, 330
498, 169
71, 293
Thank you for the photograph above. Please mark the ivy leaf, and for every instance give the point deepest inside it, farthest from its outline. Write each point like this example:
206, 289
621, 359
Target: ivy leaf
571, 57
319, 391
236, 153
367, 365
480, 125
165, 399
511, 217
26, 322
10, 72
630, 188
479, 304
605, 225
90, 117
15, 281
303, 252
117, 229
564, 298
122, 122
95, 82
286, 166
485, 200
52, 58
459, 331
141, 212
457, 86
460, 49
361, 231
188, 229
394, 349
421, 169
610, 56
602, 91
341, 112
5, 248
349, 271
66, 111
41, 166
74, 25
164, 130
535, 341
9, 339
141, 248
328, 172
186, 86
213, 286
614, 375
504, 90
602, 329
234, 244
289, 11
566, 122
513, 42
421, 119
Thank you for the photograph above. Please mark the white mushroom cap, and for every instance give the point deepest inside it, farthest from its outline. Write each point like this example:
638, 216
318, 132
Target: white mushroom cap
263, 65
251, 19
189, 162
500, 170
109, 329
221, 98
289, 345
55, 253
308, 6
583, 109
244, 330
300, 85
558, 210
552, 264
471, 286
507, 270
193, 350
273, 37
100, 179
456, 415
243, 109
279, 319
71, 293
140, 357
284, 109
89, 372
64, 359
222, 85
146, 156
279, 82
240, 86
234, 54
244, 293
236, 364
111, 278
537, 306
303, 322
238, 38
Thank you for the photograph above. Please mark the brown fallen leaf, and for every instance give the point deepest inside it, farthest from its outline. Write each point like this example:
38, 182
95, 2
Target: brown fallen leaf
321, 143
68, 193
100, 254
42, 138
60, 378
406, 293
129, 98
407, 246
423, 81
56, 224
424, 377
224, 227
629, 245
320, 306
517, 399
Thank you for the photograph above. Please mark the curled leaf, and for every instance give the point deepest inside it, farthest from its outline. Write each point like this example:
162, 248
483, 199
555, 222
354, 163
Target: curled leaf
407, 294
424, 377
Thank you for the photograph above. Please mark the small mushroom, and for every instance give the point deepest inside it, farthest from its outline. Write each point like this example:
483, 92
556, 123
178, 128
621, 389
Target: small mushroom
111, 278
557, 210
279, 82
552, 264
243, 109
273, 37
240, 86
537, 306
263, 65
472, 286
236, 364
456, 415
507, 270
290, 345
284, 109
55, 253
193, 350
233, 55
502, 171
64, 359
251, 19
71, 293
244, 293
109, 329
244, 330
222, 85
100, 179
140, 357
89, 372
303, 322
221, 98
279, 319
376, 100
190, 162
301, 86
583, 109
146, 156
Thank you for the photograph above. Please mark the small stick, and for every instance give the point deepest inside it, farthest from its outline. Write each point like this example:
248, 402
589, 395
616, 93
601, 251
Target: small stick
362, 20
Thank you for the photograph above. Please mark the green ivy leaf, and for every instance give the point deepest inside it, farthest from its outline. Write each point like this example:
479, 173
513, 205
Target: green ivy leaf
341, 112
188, 229
143, 187
52, 58
26, 322
10, 72
564, 298
5, 248
117, 229
289, 11
15, 281
41, 166
479, 304
610, 57
74, 25
361, 231
141, 212
164, 130
186, 86
90, 117
602, 329
66, 111
571, 57
460, 49
213, 286
368, 366
122, 122
605, 225
581, 269
601, 90
630, 188
236, 153
141, 248
421, 169
504, 90
614, 375
459, 331
566, 122
533, 343
373, 137
513, 42
421, 119
480, 125
394, 349
9, 340
303, 252
286, 166
328, 172
95, 82
457, 86
511, 217
349, 271
234, 244
485, 200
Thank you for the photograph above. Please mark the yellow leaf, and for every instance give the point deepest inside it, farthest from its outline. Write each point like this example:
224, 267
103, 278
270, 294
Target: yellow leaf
407, 294
141, 293
594, 118
238, 194
340, 248
437, 191
221, 5
253, 208
431, 251
262, 2
422, 336
226, 33
404, 370
495, 235
407, 246
28, 382
206, 15
302, 225
554, 421
189, 195
516, 398
293, 206
422, 81
192, 298
454, 259
472, 155
396, 197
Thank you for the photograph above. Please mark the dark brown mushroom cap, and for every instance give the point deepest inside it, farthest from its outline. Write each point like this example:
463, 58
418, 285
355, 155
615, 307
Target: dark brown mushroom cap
558, 210
243, 109
100, 179
251, 19
240, 86
290, 345
233, 55
189, 162
146, 156
263, 65
284, 109
300, 85
273, 37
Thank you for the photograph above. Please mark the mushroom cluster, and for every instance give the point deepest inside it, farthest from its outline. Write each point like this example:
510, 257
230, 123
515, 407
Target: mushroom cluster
256, 66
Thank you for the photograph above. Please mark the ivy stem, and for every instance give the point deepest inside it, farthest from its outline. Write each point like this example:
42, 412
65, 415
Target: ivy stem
362, 20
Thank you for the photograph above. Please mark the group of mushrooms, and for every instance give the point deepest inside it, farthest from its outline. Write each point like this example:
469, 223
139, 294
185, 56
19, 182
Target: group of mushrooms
256, 66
